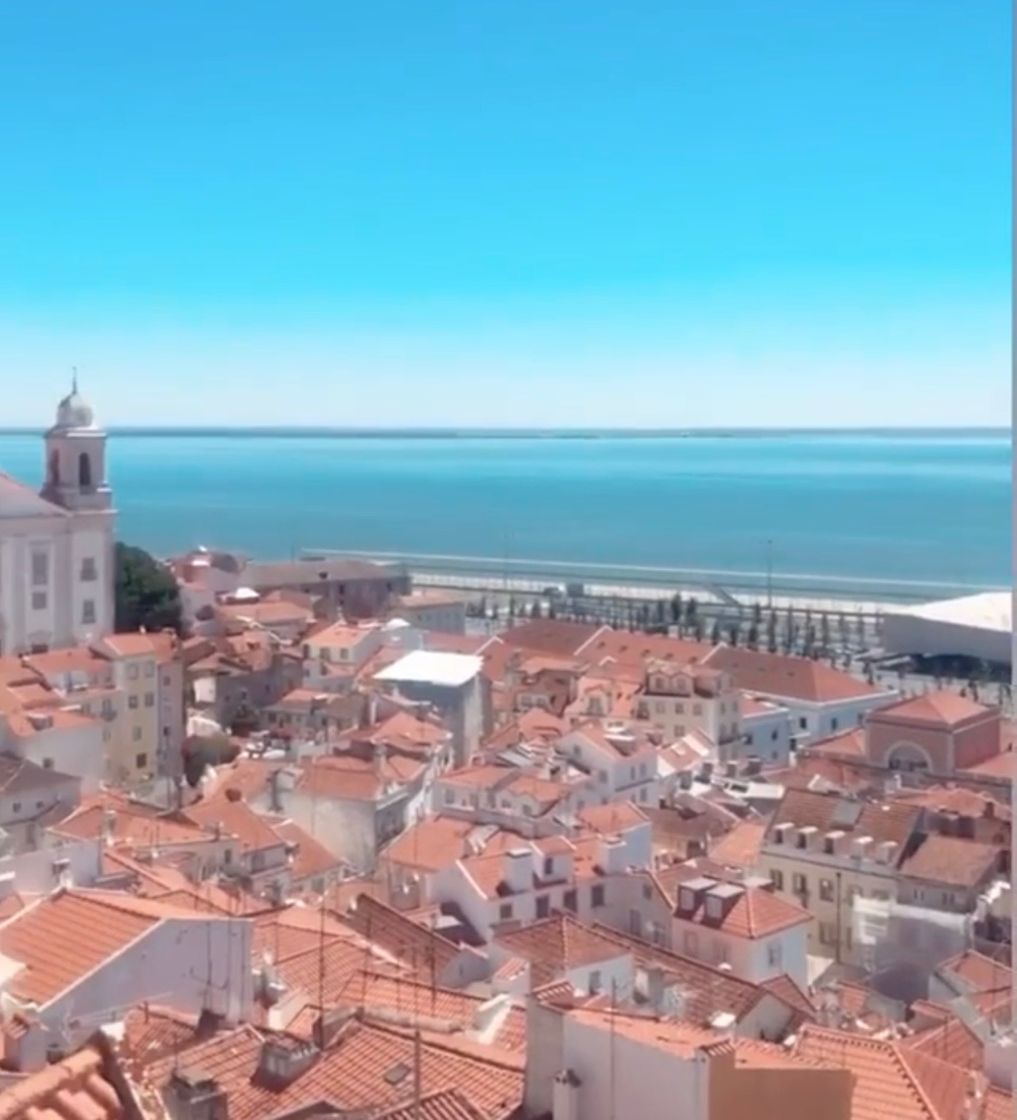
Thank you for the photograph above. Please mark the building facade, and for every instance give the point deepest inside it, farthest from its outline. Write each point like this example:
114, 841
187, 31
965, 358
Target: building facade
56, 547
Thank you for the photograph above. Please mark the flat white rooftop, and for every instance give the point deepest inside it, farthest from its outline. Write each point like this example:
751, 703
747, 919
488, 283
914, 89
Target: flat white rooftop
424, 666
990, 610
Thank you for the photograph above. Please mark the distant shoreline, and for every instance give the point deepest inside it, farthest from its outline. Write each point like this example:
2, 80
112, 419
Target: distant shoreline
299, 432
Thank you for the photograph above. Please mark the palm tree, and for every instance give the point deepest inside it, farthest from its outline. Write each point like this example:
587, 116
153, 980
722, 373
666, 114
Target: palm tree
676, 608
753, 636
715, 634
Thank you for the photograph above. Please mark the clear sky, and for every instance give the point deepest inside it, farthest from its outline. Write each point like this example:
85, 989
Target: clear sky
419, 212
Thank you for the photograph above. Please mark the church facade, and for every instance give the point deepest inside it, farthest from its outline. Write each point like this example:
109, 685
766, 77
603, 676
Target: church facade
56, 546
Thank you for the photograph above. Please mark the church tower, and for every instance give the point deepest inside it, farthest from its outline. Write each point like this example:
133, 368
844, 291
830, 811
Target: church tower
76, 458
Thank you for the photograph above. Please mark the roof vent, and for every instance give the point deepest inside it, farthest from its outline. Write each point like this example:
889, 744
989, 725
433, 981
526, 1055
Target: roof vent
283, 1061
194, 1095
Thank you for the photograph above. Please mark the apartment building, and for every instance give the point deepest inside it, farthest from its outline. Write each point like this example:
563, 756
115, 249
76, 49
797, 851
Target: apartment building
822, 851
680, 699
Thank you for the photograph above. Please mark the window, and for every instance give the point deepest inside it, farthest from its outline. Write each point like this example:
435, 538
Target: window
84, 471
141, 761
775, 954
595, 982
833, 723
449, 797
16, 807
748, 739
88, 570
773, 737
679, 708
697, 709
826, 890
691, 945
88, 612
803, 723
543, 906
132, 702
719, 952
40, 569
799, 884
136, 736
597, 896
149, 699
827, 933
132, 672
947, 898
548, 866
568, 900
505, 911
777, 878
47, 764
647, 891
38, 600
149, 668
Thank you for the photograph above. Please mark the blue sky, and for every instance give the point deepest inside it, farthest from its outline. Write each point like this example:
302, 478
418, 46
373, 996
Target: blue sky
432, 213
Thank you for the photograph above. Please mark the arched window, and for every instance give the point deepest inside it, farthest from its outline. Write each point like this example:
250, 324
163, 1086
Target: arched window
54, 468
84, 471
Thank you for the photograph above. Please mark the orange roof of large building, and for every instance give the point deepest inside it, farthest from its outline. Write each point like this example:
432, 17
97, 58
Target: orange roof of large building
935, 709
558, 944
797, 678
236, 818
885, 821
979, 972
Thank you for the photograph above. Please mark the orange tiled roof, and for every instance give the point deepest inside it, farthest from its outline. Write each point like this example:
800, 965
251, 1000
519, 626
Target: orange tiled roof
437, 842
888, 820
63, 937
891, 1082
739, 847
953, 1042
76, 1087
614, 817
446, 1104
934, 709
952, 860
311, 857
556, 945
235, 818
979, 972
400, 936
553, 636
846, 744
368, 1066
755, 913
797, 678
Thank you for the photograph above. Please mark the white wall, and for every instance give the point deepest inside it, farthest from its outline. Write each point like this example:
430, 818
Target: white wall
34, 872
78, 751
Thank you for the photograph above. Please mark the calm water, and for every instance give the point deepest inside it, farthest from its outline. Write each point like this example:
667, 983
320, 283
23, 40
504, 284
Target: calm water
932, 507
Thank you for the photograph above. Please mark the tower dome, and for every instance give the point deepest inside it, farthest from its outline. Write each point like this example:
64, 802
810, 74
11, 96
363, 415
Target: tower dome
74, 411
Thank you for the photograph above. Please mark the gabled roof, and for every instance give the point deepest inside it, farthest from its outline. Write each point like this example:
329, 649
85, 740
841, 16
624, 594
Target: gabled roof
554, 636
67, 935
826, 812
752, 913
793, 678
739, 847
419, 947
556, 945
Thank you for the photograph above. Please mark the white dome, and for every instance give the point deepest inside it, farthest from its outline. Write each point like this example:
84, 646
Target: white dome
74, 412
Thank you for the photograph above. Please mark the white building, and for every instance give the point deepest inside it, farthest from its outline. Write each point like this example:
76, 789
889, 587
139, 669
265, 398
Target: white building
975, 626
56, 547
749, 929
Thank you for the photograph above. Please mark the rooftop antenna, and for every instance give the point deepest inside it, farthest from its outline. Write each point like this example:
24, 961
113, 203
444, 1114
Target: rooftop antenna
74, 379
417, 1073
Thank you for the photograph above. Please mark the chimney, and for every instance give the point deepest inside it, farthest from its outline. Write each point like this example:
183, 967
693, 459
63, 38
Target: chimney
782, 833
613, 855
194, 1095
518, 870
282, 1062
654, 986
834, 842
806, 839
275, 800
886, 851
861, 846
565, 1096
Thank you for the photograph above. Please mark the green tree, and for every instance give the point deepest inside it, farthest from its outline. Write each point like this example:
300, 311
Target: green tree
202, 751
771, 632
676, 608
146, 594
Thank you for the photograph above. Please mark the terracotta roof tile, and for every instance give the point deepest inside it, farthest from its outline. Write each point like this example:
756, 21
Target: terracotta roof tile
952, 860
75, 1088
421, 948
979, 972
367, 1067
65, 936
558, 944
755, 912
739, 847
796, 678
935, 709
235, 818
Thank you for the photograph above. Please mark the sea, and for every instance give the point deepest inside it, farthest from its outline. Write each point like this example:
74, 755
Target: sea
929, 511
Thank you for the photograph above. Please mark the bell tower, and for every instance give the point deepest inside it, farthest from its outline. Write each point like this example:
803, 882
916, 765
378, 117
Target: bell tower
76, 457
